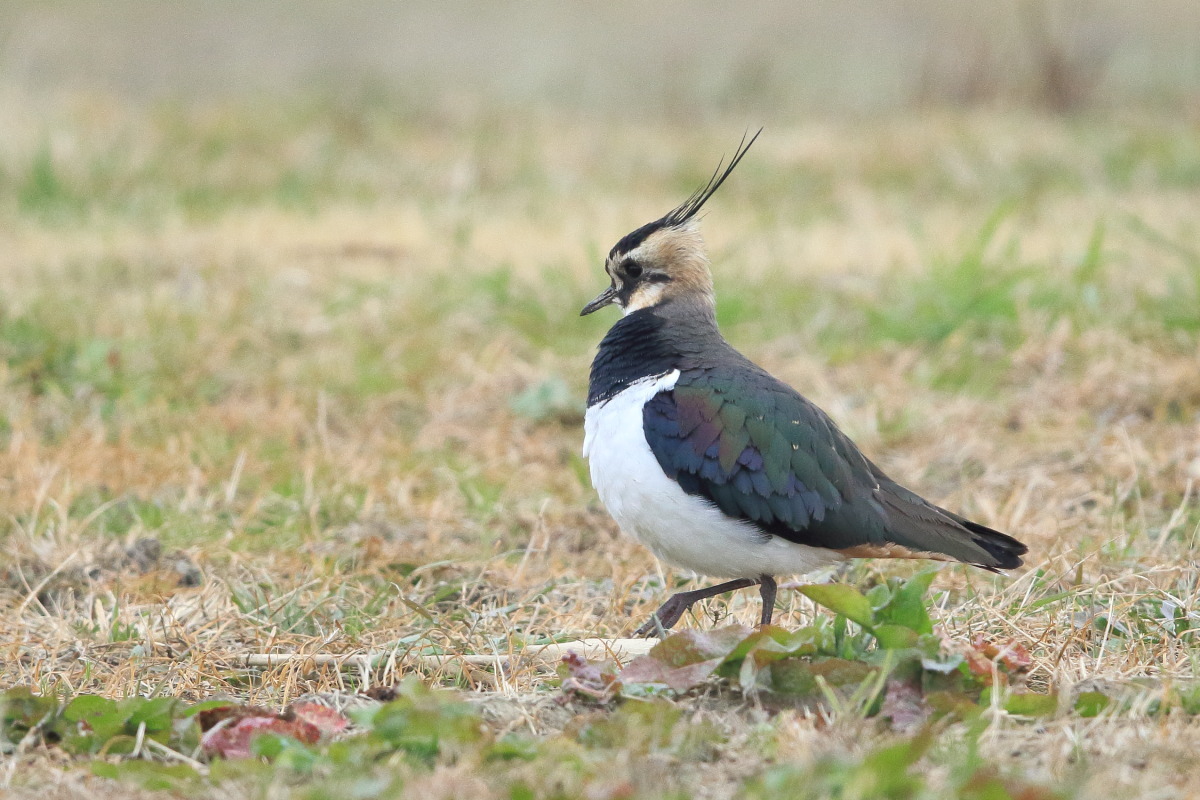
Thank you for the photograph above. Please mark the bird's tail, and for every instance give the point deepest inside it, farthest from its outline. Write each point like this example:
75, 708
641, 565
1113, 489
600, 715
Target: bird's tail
921, 526
1005, 551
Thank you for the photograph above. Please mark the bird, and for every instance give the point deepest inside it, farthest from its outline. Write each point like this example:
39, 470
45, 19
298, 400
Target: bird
717, 466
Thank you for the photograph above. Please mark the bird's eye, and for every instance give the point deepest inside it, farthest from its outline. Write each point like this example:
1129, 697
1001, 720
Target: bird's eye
633, 269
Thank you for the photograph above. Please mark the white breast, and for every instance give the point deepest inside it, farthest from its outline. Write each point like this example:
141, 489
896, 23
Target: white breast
679, 528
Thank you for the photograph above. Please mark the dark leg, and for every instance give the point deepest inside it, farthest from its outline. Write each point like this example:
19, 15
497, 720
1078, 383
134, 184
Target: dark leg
675, 607
766, 588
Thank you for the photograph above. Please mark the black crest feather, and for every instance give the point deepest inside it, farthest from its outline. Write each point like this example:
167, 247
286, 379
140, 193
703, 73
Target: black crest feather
688, 208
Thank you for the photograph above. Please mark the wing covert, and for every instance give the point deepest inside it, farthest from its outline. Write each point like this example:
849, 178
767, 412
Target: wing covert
751, 450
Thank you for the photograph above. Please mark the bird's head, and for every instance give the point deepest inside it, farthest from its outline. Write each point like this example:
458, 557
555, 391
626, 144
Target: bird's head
665, 259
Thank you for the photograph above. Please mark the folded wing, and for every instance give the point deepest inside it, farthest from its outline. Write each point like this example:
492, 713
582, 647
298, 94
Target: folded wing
762, 453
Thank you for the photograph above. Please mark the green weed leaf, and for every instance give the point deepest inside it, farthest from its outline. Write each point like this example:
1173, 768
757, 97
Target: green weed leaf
841, 599
1031, 704
895, 637
1090, 704
908, 607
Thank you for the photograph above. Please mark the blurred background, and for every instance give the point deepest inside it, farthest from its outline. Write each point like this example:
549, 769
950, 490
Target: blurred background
772, 60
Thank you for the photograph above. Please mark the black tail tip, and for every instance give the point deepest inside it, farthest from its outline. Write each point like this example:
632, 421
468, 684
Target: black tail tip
1005, 551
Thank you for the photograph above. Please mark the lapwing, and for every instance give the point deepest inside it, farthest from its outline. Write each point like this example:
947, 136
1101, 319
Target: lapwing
720, 468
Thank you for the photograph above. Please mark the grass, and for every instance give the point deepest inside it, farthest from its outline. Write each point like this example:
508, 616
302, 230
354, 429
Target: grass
307, 376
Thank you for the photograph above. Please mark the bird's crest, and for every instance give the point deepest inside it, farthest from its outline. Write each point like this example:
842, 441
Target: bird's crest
688, 208
682, 214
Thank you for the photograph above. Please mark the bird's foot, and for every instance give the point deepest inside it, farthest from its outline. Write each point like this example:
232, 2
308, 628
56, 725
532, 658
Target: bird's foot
667, 615
677, 605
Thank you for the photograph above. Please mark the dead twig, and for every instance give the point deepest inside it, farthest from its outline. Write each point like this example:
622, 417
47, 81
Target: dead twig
620, 649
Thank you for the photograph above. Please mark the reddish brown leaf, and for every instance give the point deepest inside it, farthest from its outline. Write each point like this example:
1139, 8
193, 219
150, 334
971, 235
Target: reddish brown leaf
209, 717
326, 720
1012, 655
980, 666
1016, 657
232, 739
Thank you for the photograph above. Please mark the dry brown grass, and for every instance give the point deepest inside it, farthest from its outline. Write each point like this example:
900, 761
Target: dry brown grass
307, 408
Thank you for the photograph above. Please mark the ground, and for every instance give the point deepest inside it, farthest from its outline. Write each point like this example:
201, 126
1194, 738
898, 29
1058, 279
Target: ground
306, 376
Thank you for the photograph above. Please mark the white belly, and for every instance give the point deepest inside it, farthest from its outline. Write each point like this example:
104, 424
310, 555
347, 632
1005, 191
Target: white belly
679, 528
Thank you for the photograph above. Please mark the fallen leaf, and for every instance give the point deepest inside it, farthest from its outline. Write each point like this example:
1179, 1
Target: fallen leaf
328, 721
232, 739
647, 669
980, 666
210, 717
692, 646
1012, 654
685, 659
594, 680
